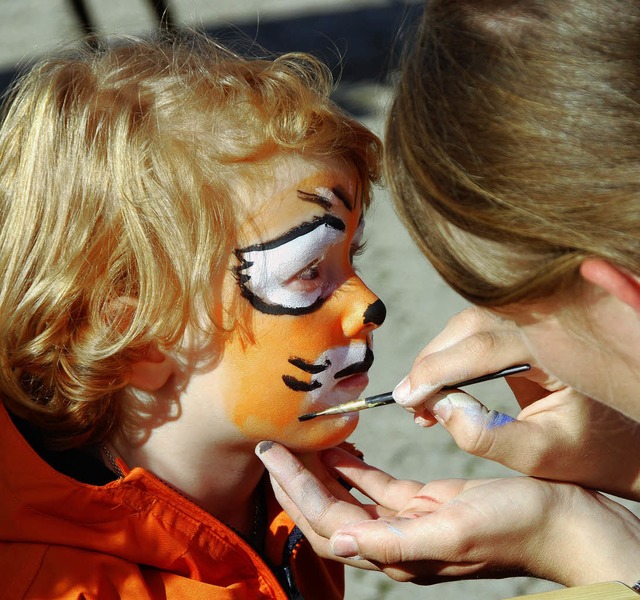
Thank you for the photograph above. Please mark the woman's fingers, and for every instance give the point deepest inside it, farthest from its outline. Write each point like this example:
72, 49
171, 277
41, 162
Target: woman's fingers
475, 428
465, 324
524, 444
304, 496
388, 493
466, 357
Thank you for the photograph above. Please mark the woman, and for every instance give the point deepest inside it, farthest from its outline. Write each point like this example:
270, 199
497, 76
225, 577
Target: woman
512, 152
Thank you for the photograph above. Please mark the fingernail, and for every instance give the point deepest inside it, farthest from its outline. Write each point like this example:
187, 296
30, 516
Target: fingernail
472, 410
345, 546
401, 391
263, 447
404, 395
421, 421
467, 405
442, 409
418, 395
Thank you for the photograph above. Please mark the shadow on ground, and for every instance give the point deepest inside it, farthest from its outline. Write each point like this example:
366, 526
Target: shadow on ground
360, 45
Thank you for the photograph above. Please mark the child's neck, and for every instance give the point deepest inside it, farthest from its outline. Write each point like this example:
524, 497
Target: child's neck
222, 480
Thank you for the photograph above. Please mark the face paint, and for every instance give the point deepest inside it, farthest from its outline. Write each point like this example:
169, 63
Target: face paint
497, 419
309, 317
312, 320
267, 271
336, 364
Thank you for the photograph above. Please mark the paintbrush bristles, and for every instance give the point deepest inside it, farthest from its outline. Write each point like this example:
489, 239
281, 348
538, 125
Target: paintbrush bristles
307, 417
353, 406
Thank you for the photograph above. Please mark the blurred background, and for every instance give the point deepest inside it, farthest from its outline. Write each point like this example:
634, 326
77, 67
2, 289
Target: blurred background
360, 40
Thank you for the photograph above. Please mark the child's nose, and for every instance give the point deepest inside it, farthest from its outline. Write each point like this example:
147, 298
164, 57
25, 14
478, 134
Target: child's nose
363, 312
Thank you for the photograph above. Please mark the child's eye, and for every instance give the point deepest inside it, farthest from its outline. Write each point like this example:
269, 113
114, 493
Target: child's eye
311, 272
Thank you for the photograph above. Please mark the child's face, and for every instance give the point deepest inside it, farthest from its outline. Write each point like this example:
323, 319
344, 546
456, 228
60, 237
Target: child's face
311, 317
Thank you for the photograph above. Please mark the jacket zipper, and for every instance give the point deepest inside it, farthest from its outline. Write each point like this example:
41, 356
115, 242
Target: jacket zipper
284, 572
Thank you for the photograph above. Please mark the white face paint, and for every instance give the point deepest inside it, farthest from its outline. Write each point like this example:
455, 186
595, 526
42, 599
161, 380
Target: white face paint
340, 362
271, 268
283, 275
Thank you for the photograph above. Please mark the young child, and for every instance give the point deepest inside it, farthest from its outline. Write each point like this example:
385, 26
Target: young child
178, 227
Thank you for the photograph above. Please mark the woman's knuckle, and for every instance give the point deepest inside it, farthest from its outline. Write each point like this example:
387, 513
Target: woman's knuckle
483, 343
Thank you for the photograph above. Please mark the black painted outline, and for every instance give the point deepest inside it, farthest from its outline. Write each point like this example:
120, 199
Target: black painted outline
325, 202
302, 386
303, 229
321, 201
360, 367
307, 367
340, 196
243, 278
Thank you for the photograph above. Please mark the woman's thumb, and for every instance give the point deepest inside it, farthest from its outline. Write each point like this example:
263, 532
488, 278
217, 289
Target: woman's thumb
476, 429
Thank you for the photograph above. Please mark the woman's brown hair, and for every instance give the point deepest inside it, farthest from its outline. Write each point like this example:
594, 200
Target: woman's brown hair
513, 143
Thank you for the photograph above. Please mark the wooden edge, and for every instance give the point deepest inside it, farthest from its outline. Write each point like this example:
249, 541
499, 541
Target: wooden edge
613, 590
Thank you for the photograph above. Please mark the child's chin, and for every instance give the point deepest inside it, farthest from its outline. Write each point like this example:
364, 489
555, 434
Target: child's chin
330, 432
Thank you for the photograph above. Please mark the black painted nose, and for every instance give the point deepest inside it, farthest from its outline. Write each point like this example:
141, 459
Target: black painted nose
375, 313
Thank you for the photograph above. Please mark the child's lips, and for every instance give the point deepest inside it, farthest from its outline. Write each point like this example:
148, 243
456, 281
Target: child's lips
346, 389
358, 381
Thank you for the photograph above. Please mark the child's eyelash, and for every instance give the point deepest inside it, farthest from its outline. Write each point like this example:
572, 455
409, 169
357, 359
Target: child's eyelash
311, 271
358, 249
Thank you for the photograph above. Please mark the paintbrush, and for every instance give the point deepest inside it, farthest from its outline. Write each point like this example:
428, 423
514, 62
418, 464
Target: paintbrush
387, 398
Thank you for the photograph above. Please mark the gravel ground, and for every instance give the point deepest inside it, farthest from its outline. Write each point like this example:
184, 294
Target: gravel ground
363, 33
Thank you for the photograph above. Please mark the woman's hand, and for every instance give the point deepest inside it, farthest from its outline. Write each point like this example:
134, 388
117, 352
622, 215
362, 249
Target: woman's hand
456, 529
556, 425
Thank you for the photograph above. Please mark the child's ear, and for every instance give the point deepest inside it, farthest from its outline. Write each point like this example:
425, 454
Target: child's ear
152, 371
613, 279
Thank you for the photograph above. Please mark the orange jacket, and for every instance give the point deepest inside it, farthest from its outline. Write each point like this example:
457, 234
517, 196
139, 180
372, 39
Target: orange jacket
136, 538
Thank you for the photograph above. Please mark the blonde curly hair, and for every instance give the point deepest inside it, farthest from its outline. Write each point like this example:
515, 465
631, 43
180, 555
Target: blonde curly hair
117, 169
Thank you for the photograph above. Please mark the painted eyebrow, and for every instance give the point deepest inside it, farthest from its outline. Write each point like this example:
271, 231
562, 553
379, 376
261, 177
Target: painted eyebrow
343, 199
315, 199
302, 229
323, 201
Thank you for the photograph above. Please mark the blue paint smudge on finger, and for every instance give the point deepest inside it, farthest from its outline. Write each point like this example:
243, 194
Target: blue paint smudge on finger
497, 419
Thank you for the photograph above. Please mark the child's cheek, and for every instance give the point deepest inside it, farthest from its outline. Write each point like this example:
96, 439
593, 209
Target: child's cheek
259, 402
